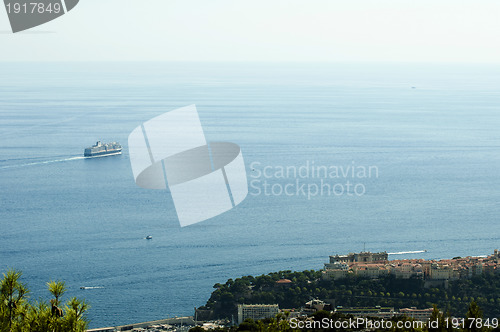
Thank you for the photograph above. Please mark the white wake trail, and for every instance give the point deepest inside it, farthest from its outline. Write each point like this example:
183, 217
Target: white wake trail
407, 252
91, 287
43, 162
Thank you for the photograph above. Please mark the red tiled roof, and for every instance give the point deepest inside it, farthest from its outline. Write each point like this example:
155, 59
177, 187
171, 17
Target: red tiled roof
284, 281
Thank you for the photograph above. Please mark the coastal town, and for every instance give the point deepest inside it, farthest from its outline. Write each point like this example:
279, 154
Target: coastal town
375, 265
364, 265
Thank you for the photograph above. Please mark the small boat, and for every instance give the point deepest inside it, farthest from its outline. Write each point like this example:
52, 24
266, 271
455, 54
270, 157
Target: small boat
90, 287
149, 237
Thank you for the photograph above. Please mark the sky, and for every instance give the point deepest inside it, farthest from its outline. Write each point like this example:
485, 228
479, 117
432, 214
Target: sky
263, 30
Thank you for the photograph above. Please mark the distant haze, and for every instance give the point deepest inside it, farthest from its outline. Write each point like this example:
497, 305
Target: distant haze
258, 30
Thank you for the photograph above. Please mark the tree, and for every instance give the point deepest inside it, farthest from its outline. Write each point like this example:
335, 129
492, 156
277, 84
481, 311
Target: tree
437, 317
473, 313
74, 317
17, 314
354, 291
38, 318
248, 325
13, 295
57, 289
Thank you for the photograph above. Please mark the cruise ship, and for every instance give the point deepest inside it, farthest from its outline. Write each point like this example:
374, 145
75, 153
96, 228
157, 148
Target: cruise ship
103, 149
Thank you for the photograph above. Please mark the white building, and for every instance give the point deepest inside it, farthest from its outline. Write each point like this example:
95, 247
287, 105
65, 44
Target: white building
256, 311
418, 314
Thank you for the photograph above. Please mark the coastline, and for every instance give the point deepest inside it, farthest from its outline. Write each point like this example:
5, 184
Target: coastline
187, 321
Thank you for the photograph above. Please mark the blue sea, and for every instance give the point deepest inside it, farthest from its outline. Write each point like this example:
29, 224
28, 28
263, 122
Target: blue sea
431, 130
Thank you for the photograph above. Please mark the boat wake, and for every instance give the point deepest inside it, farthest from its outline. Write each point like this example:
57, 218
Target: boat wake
90, 287
407, 252
42, 162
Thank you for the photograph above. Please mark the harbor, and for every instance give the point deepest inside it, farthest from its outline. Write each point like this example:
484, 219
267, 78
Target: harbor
168, 324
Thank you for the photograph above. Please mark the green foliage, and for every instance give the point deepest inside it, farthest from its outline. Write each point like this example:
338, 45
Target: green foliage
355, 292
438, 316
276, 324
473, 313
13, 295
249, 325
57, 289
17, 314
197, 328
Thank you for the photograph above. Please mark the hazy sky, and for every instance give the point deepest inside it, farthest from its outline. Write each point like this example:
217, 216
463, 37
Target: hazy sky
264, 30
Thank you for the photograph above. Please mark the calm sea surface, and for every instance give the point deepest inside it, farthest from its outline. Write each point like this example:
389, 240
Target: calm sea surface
431, 131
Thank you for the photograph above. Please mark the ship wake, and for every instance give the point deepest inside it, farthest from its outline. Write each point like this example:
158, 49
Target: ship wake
91, 287
407, 252
42, 162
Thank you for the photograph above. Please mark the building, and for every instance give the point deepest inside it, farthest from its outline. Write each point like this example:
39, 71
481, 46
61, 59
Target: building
335, 271
256, 311
284, 283
372, 271
363, 264
440, 271
315, 305
362, 257
387, 312
379, 312
406, 270
375, 265
418, 314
